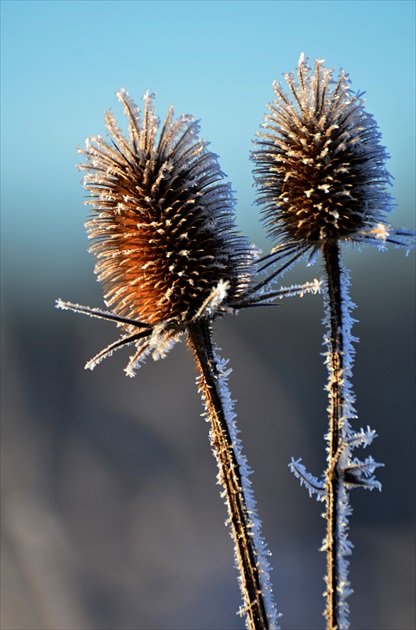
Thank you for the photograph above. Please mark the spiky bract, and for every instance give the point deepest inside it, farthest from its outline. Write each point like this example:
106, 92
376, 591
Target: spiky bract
320, 168
162, 225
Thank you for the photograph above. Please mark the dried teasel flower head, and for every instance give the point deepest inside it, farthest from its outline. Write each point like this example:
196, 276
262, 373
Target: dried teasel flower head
162, 228
162, 225
319, 165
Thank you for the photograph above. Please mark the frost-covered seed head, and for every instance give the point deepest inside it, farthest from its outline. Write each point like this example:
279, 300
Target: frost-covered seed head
162, 224
319, 165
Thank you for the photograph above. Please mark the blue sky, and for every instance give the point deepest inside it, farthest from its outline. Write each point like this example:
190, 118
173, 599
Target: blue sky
62, 63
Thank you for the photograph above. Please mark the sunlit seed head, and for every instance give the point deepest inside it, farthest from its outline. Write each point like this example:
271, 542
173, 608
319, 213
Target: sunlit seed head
162, 225
319, 166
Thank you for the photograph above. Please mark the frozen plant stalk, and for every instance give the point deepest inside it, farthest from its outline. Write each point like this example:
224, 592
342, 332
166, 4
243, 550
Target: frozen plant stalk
320, 172
171, 261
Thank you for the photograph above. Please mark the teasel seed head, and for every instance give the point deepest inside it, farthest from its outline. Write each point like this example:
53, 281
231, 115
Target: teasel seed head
162, 225
319, 165
163, 230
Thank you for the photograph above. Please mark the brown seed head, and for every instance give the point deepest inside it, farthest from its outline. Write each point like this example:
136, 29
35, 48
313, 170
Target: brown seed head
319, 163
162, 225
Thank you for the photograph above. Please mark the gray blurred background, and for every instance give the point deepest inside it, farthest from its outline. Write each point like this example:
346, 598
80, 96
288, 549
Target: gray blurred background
110, 513
111, 518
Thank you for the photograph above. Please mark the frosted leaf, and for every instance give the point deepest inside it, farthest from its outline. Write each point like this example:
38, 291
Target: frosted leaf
360, 474
361, 438
312, 484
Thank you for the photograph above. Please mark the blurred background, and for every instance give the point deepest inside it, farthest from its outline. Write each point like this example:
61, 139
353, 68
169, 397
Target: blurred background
111, 518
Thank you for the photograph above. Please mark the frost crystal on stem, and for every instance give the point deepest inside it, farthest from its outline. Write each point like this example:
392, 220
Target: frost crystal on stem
171, 260
320, 171
233, 476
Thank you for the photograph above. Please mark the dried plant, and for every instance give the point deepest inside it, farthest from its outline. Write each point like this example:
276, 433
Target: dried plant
322, 182
171, 261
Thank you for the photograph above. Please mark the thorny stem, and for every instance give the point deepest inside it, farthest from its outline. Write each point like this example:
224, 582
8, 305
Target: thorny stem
199, 336
334, 480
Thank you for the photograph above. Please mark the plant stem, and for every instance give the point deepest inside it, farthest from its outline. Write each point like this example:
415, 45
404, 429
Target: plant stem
253, 576
336, 438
